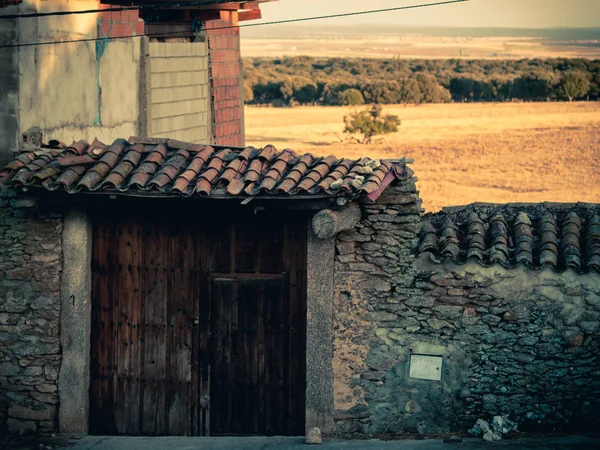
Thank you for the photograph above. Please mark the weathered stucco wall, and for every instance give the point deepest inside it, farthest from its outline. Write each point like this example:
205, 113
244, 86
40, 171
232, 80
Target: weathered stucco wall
513, 341
30, 270
78, 90
9, 85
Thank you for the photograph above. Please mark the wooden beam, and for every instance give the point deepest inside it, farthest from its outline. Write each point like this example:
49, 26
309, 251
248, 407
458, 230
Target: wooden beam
327, 223
249, 15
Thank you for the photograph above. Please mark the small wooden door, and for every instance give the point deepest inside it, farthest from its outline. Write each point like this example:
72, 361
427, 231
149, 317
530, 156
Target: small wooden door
198, 326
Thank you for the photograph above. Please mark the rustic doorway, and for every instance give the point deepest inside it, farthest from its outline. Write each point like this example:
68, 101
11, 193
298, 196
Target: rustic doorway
198, 323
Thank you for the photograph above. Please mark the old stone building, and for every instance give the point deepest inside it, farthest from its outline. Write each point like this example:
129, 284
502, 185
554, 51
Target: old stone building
154, 286
501, 302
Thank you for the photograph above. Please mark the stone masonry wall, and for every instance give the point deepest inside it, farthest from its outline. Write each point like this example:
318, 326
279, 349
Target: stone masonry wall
373, 264
30, 268
513, 341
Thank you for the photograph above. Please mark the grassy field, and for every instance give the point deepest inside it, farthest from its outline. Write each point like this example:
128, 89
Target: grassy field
528, 152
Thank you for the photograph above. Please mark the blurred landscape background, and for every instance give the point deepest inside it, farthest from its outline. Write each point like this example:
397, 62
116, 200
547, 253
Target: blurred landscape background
489, 112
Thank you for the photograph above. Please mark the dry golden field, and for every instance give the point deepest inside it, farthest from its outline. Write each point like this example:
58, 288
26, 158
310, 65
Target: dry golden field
529, 152
402, 45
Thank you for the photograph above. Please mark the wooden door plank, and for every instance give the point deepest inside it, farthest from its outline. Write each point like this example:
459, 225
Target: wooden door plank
122, 347
155, 322
179, 335
134, 240
102, 350
261, 351
204, 341
192, 264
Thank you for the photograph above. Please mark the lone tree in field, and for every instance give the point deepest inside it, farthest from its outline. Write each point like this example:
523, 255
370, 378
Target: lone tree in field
574, 84
370, 122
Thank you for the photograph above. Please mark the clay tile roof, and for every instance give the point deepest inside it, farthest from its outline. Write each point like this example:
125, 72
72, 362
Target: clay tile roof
557, 235
157, 166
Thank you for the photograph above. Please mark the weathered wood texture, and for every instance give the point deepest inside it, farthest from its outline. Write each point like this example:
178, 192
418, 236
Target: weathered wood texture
198, 326
327, 223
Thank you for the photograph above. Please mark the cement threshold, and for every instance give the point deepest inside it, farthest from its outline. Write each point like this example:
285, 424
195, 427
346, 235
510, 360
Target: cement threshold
291, 443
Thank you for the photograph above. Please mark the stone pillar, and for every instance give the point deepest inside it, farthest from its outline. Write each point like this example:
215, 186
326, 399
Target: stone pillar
75, 323
319, 334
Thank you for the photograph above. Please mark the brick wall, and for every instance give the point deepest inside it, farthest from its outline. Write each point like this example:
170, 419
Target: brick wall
120, 23
226, 92
30, 270
180, 91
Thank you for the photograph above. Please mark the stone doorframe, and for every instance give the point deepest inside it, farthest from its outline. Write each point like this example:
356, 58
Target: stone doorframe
76, 318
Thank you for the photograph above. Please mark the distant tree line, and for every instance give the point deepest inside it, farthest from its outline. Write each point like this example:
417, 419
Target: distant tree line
352, 81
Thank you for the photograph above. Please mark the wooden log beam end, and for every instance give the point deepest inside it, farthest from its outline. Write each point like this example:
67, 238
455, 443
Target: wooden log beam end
327, 222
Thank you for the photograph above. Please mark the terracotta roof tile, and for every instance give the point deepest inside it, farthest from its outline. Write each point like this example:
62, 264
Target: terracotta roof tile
563, 236
163, 166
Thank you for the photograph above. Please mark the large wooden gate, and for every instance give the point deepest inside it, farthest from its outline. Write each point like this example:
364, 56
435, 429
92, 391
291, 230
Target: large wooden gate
198, 324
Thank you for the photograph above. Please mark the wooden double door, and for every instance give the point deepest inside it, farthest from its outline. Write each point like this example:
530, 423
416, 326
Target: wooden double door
198, 324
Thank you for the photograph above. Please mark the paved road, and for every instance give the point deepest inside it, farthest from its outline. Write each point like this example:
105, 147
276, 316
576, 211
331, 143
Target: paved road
286, 443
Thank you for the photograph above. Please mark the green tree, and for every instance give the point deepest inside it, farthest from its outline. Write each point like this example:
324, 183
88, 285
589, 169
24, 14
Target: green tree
305, 90
370, 122
351, 97
432, 91
248, 92
286, 88
381, 92
535, 85
574, 84
410, 92
595, 86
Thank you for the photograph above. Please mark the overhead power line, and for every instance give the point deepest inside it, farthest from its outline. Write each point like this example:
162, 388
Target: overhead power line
94, 11
276, 22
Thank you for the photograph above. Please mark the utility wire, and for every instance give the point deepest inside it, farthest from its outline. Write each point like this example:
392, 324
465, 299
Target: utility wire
276, 22
93, 11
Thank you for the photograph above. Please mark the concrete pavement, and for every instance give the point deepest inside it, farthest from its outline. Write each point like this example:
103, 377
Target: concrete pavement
294, 443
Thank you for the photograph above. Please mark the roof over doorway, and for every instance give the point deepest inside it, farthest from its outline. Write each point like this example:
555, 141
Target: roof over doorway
165, 167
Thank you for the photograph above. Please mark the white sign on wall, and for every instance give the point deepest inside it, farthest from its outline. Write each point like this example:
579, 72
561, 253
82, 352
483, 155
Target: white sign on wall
426, 367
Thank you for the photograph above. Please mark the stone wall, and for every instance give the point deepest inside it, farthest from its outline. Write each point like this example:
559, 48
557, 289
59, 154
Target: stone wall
30, 270
513, 341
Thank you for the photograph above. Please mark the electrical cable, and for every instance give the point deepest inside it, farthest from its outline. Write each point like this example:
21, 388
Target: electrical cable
276, 22
115, 9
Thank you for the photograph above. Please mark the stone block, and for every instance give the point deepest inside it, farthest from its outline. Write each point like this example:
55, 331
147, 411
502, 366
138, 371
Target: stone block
376, 284
51, 372
349, 427
412, 407
345, 248
8, 369
360, 411
350, 236
46, 387
35, 411
397, 198
20, 426
33, 371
